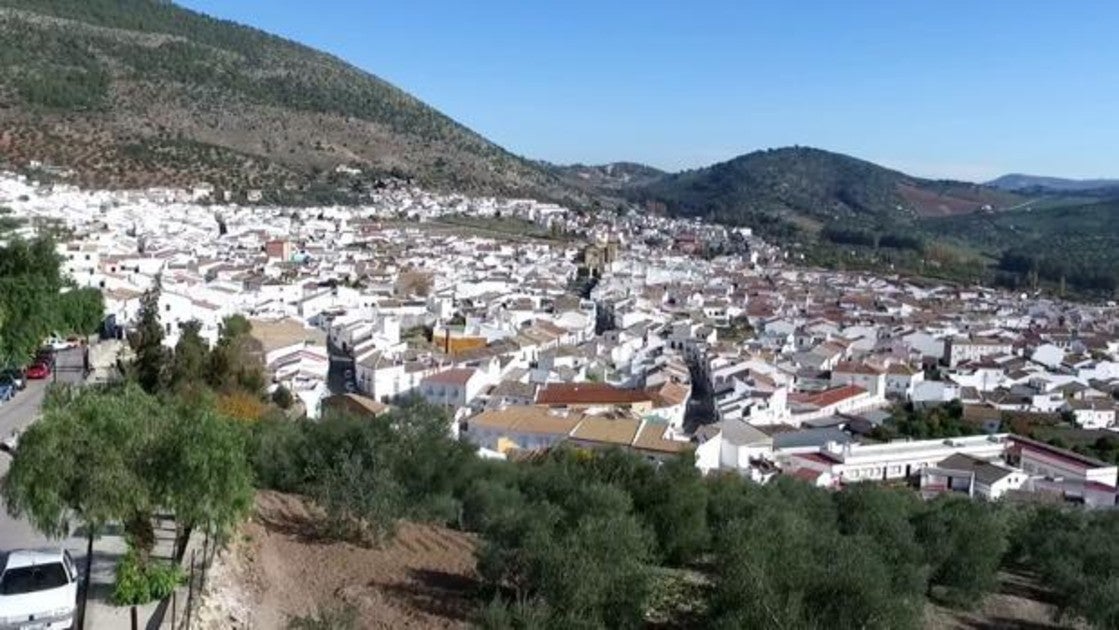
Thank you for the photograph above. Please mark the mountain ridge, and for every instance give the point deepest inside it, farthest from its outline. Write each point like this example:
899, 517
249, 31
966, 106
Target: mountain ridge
138, 92
1041, 184
812, 187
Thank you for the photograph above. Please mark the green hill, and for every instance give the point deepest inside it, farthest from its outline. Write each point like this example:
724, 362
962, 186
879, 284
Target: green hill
1073, 246
140, 92
780, 188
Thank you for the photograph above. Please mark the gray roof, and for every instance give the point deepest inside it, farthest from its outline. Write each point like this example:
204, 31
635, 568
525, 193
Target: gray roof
985, 472
810, 437
743, 434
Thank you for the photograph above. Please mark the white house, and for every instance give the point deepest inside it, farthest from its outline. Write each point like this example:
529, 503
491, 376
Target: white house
868, 377
902, 379
895, 460
1092, 413
456, 387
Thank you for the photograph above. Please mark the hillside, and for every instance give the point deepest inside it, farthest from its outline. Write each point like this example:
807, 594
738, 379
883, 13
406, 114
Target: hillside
810, 187
1076, 244
1055, 186
1018, 182
141, 92
608, 177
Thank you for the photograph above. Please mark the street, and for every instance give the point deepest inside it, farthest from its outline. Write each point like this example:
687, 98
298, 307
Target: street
17, 414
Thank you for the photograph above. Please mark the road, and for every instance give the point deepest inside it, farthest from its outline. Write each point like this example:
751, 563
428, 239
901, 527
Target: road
17, 414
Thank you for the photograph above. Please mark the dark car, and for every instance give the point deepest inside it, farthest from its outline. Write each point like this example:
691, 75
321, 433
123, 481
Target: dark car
45, 357
16, 376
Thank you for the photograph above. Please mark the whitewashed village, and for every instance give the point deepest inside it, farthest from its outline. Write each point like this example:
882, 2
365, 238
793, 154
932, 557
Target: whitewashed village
617, 330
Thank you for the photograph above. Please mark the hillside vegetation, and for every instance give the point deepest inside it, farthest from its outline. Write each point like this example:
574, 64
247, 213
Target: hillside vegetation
778, 189
1072, 247
140, 92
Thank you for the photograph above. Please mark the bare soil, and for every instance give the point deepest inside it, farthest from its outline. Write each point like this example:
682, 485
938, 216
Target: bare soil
279, 568
1019, 604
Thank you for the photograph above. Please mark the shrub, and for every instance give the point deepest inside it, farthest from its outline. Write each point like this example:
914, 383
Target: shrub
138, 583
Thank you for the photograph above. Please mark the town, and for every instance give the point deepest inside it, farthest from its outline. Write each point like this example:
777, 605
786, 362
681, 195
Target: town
618, 329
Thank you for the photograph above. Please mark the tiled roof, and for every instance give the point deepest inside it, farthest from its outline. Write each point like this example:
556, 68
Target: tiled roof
828, 397
619, 431
453, 376
589, 394
527, 419
651, 438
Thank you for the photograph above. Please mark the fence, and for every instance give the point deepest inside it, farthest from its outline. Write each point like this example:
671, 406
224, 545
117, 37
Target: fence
177, 612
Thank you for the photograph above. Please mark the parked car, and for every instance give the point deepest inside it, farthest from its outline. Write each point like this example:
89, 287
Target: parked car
7, 389
10, 444
38, 589
38, 371
46, 357
17, 377
56, 342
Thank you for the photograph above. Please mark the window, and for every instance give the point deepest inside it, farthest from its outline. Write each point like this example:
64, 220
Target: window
35, 578
167, 308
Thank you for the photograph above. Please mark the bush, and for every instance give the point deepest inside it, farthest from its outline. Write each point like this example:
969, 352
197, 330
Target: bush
137, 583
282, 397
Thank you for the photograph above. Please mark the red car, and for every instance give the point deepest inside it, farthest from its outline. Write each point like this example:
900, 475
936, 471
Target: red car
38, 371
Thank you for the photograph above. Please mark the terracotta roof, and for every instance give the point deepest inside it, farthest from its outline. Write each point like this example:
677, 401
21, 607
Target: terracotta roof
527, 419
828, 397
619, 431
651, 438
671, 394
589, 394
850, 367
453, 376
372, 406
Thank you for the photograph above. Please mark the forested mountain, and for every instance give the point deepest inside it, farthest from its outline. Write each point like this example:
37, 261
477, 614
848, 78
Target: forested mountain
141, 92
1070, 247
1034, 184
800, 185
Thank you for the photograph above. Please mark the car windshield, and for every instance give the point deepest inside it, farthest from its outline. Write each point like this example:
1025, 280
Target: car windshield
35, 578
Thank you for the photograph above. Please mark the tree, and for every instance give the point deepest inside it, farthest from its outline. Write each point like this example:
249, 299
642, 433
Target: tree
84, 461
235, 363
964, 543
80, 311
150, 366
203, 474
191, 359
282, 397
29, 284
673, 504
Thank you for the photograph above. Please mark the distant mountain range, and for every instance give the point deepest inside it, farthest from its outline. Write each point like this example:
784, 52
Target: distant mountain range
1035, 184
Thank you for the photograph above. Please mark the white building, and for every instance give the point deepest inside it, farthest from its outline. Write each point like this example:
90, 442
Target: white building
896, 460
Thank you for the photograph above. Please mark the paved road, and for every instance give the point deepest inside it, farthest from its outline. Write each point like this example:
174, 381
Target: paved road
18, 413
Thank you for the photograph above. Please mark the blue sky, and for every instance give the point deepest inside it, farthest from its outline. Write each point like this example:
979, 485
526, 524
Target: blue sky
941, 88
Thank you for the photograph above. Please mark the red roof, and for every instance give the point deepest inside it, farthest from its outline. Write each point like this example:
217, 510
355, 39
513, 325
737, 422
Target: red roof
1071, 457
855, 368
453, 376
589, 394
828, 397
819, 458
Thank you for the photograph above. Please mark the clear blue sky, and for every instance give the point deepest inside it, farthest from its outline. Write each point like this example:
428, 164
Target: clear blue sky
946, 88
